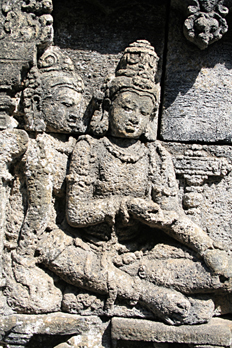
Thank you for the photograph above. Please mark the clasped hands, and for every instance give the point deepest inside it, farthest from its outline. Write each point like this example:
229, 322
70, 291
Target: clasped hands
146, 211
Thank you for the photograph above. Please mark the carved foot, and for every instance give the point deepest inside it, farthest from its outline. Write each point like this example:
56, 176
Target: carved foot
219, 262
167, 304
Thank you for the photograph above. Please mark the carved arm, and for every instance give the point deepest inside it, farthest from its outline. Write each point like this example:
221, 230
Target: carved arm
83, 209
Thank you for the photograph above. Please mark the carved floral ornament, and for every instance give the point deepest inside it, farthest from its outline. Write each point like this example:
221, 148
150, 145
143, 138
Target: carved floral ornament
205, 23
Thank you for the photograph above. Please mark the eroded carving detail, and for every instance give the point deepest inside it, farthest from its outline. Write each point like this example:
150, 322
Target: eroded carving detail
125, 248
52, 102
196, 166
205, 23
53, 94
122, 200
28, 21
13, 144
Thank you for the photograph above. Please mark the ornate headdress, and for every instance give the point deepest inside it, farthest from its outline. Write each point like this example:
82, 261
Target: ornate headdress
136, 71
54, 69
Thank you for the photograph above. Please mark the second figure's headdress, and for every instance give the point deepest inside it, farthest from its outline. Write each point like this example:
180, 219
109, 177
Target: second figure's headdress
54, 69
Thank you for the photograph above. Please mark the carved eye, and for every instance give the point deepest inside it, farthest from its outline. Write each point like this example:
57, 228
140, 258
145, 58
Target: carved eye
127, 108
68, 104
144, 112
213, 28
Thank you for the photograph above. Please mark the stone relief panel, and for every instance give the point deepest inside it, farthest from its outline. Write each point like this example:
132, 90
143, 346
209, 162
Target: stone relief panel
99, 219
126, 234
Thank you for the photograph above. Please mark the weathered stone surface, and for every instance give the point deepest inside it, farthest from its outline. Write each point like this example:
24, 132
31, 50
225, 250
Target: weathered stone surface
24, 25
30, 289
13, 143
116, 186
205, 23
27, 21
89, 331
217, 332
15, 56
197, 89
55, 323
91, 339
95, 33
53, 95
204, 174
97, 216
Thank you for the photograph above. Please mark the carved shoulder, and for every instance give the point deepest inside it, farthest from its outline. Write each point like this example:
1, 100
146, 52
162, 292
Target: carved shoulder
162, 170
84, 157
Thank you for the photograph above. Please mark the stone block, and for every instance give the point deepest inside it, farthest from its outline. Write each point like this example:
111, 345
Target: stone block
217, 332
197, 91
14, 56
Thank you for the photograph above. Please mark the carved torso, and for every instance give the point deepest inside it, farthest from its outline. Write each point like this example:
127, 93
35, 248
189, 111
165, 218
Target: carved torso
122, 171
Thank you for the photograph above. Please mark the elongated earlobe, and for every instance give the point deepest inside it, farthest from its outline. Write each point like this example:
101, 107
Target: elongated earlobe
34, 116
99, 124
151, 131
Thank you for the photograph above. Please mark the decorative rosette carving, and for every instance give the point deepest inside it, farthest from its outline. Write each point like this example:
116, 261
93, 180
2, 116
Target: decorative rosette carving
205, 23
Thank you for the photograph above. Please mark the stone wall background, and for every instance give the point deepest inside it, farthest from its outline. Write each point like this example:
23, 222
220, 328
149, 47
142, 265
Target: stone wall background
95, 33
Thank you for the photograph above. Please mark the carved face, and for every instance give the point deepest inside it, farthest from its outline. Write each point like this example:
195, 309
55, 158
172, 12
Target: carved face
129, 115
61, 110
206, 27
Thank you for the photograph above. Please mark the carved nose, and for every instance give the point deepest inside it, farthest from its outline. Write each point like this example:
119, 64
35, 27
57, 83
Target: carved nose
133, 118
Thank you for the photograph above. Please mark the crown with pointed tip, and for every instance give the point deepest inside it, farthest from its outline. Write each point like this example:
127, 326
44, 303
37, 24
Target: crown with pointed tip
136, 70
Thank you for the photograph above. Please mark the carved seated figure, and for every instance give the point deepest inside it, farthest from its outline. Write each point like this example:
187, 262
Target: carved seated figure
52, 100
121, 193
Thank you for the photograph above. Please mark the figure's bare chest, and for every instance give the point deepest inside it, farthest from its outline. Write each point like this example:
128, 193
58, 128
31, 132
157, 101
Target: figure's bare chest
118, 177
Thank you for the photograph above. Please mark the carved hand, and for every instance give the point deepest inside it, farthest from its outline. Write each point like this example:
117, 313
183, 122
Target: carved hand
219, 262
146, 211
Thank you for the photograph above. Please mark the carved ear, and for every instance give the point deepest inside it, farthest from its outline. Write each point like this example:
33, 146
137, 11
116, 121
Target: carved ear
151, 131
37, 119
99, 124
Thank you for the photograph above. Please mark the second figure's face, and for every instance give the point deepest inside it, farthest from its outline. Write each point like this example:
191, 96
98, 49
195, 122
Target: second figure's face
129, 115
62, 110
